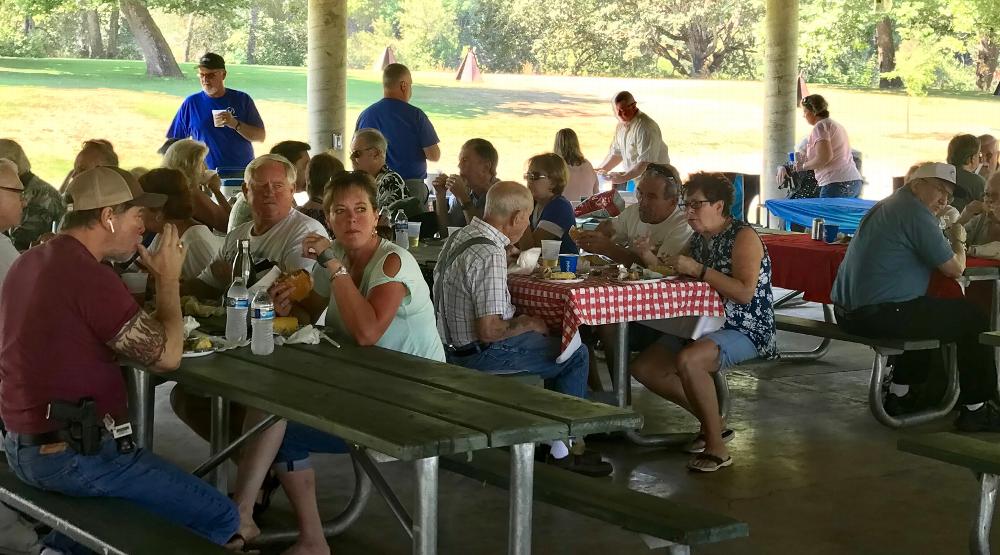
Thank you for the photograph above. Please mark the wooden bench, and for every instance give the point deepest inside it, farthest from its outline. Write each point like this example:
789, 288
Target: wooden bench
661, 522
103, 524
981, 457
883, 347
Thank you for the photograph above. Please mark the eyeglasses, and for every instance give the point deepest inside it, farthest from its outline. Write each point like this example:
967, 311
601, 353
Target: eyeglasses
693, 204
534, 176
943, 189
355, 154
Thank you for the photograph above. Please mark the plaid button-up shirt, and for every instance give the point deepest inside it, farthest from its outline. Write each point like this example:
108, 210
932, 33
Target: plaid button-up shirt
473, 286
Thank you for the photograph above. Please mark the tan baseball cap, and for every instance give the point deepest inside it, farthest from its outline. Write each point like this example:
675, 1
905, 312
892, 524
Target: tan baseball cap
8, 176
937, 169
107, 186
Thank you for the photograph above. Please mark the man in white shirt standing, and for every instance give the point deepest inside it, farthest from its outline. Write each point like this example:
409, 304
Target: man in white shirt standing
637, 142
16, 535
653, 228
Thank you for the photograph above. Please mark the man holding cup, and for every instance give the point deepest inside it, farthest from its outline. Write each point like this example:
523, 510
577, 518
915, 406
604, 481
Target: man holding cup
224, 119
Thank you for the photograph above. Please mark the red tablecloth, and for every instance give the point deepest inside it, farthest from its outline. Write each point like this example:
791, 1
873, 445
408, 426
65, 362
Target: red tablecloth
802, 264
596, 301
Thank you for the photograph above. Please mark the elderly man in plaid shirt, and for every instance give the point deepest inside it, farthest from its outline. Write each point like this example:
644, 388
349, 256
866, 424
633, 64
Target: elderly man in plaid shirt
476, 318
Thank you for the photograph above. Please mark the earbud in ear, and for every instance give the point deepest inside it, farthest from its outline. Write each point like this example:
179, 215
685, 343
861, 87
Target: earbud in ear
112, 224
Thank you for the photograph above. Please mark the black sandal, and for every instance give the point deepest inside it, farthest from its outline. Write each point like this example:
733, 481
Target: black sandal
267, 488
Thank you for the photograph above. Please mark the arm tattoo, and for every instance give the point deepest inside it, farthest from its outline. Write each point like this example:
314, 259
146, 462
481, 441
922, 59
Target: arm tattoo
142, 339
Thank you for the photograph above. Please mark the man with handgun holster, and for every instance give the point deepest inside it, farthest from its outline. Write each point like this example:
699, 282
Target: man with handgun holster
66, 322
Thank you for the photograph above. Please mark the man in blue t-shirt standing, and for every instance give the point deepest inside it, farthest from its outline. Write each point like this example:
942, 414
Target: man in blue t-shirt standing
224, 119
411, 136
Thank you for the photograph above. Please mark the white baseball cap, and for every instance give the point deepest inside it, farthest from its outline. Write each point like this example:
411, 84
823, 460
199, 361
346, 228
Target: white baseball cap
939, 170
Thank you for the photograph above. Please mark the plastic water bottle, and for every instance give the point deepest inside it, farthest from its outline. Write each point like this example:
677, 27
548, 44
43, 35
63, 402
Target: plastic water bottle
237, 306
262, 324
401, 226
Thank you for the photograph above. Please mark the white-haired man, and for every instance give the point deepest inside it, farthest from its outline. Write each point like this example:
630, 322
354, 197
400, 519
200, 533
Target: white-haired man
881, 291
476, 319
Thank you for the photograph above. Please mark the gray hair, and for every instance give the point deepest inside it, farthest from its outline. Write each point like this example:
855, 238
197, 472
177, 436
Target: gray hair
12, 151
373, 138
505, 198
264, 159
668, 174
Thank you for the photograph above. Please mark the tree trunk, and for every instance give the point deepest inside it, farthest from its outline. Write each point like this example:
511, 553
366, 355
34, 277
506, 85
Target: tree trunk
160, 60
886, 54
986, 62
252, 34
113, 24
189, 38
29, 25
92, 27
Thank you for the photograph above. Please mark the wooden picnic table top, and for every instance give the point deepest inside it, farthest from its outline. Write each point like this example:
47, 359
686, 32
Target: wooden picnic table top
401, 405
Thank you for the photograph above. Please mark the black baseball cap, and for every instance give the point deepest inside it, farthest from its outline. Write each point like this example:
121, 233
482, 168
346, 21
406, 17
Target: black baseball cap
211, 60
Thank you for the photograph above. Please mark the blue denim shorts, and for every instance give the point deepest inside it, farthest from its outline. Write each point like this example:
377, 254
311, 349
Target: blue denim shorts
734, 347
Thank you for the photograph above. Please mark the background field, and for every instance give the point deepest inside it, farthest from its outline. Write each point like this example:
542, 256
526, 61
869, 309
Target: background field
51, 105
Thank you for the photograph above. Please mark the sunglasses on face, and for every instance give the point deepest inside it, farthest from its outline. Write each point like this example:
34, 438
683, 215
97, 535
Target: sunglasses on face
534, 176
355, 154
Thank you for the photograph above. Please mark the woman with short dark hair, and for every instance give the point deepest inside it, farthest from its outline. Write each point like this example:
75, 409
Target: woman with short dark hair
828, 152
964, 154
552, 217
728, 255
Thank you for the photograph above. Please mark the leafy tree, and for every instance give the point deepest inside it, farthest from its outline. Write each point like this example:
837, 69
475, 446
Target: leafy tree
429, 34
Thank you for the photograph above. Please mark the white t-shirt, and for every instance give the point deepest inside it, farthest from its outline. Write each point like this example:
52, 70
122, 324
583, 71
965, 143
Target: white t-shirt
7, 255
669, 237
841, 166
639, 141
282, 244
582, 182
202, 247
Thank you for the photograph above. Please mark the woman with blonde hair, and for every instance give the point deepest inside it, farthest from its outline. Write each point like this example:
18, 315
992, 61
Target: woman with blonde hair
552, 217
188, 156
582, 180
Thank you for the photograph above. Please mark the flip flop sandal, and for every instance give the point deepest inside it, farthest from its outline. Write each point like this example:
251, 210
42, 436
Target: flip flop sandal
718, 462
697, 445
238, 544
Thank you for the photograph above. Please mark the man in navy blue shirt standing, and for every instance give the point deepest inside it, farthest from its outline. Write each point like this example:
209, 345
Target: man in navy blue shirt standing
411, 136
224, 119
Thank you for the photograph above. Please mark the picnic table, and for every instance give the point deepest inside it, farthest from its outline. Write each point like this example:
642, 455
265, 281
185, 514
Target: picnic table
407, 407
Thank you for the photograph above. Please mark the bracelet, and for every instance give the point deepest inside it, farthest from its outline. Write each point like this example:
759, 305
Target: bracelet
342, 271
325, 256
701, 276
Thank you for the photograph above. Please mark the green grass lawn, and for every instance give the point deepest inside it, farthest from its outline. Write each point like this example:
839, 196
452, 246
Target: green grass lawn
51, 105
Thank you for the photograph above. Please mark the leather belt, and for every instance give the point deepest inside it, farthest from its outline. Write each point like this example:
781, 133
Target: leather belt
470, 349
31, 440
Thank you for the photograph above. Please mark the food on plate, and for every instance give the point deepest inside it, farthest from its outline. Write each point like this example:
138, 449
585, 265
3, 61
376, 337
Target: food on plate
597, 260
198, 343
191, 306
301, 282
562, 275
286, 325
633, 275
664, 269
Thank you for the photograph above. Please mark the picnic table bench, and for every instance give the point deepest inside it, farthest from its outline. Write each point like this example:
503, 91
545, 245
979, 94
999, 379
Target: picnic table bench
105, 525
981, 457
404, 407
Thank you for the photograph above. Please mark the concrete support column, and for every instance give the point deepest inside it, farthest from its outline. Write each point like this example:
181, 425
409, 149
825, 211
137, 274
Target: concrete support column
781, 28
326, 85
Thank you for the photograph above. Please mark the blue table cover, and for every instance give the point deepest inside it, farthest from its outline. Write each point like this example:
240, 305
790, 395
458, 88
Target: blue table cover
846, 213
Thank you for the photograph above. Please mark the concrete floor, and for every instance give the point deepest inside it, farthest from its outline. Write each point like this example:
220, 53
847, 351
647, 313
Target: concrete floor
814, 473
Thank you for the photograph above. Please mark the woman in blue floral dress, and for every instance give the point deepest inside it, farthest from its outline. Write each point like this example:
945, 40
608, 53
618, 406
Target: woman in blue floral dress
728, 255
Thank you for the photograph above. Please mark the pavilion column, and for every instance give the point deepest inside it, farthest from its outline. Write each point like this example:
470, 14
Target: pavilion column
781, 28
326, 85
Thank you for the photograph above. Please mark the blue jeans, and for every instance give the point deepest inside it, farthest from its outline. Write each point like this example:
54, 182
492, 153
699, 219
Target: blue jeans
532, 353
848, 189
300, 440
140, 477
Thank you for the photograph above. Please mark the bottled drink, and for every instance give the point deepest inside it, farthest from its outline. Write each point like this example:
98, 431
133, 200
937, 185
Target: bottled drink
243, 264
262, 324
237, 306
384, 225
401, 228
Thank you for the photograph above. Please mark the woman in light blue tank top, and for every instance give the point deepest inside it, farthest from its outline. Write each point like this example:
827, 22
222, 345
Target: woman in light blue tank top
374, 294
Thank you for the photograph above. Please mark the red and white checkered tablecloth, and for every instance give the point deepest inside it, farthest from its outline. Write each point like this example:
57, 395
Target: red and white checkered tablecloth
598, 300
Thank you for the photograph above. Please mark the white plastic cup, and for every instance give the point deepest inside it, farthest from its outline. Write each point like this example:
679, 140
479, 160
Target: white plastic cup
413, 232
136, 284
550, 249
216, 113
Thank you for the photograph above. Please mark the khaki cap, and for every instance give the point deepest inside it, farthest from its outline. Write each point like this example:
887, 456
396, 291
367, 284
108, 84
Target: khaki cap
8, 176
937, 169
106, 186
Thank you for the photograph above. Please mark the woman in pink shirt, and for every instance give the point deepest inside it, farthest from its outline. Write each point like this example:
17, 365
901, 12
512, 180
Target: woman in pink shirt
828, 152
582, 181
